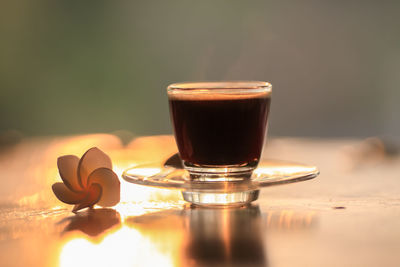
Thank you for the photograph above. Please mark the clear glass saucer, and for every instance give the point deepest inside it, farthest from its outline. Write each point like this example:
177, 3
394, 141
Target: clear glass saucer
219, 193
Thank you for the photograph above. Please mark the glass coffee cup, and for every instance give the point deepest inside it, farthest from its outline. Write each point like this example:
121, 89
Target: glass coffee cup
220, 127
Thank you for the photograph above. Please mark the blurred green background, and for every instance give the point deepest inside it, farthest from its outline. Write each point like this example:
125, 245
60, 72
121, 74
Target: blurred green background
70, 67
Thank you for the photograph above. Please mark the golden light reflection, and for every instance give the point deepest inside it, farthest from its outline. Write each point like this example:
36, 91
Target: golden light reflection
226, 235
290, 220
126, 247
145, 171
165, 229
281, 170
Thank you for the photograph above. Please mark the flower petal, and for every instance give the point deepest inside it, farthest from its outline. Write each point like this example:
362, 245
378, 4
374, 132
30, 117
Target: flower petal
64, 194
110, 184
93, 159
94, 193
68, 169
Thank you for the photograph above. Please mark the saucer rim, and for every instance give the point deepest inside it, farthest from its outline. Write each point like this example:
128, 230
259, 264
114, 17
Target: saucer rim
187, 185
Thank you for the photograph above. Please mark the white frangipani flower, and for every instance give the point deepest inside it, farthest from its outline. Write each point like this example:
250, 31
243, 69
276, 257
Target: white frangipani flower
87, 181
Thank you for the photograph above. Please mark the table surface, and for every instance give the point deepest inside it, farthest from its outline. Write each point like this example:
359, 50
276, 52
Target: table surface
348, 216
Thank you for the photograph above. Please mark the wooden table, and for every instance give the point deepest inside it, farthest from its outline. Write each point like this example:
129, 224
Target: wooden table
348, 216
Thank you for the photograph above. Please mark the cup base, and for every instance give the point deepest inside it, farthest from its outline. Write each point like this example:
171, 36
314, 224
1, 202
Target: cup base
216, 199
219, 174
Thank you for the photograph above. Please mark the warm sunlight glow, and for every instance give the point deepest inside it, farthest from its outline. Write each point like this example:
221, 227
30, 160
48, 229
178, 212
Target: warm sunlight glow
126, 247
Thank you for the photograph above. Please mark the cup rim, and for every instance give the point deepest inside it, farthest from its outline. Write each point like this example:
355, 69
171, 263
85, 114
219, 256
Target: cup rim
221, 85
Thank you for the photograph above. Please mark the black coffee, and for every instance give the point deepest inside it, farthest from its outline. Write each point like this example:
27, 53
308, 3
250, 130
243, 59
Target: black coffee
220, 130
